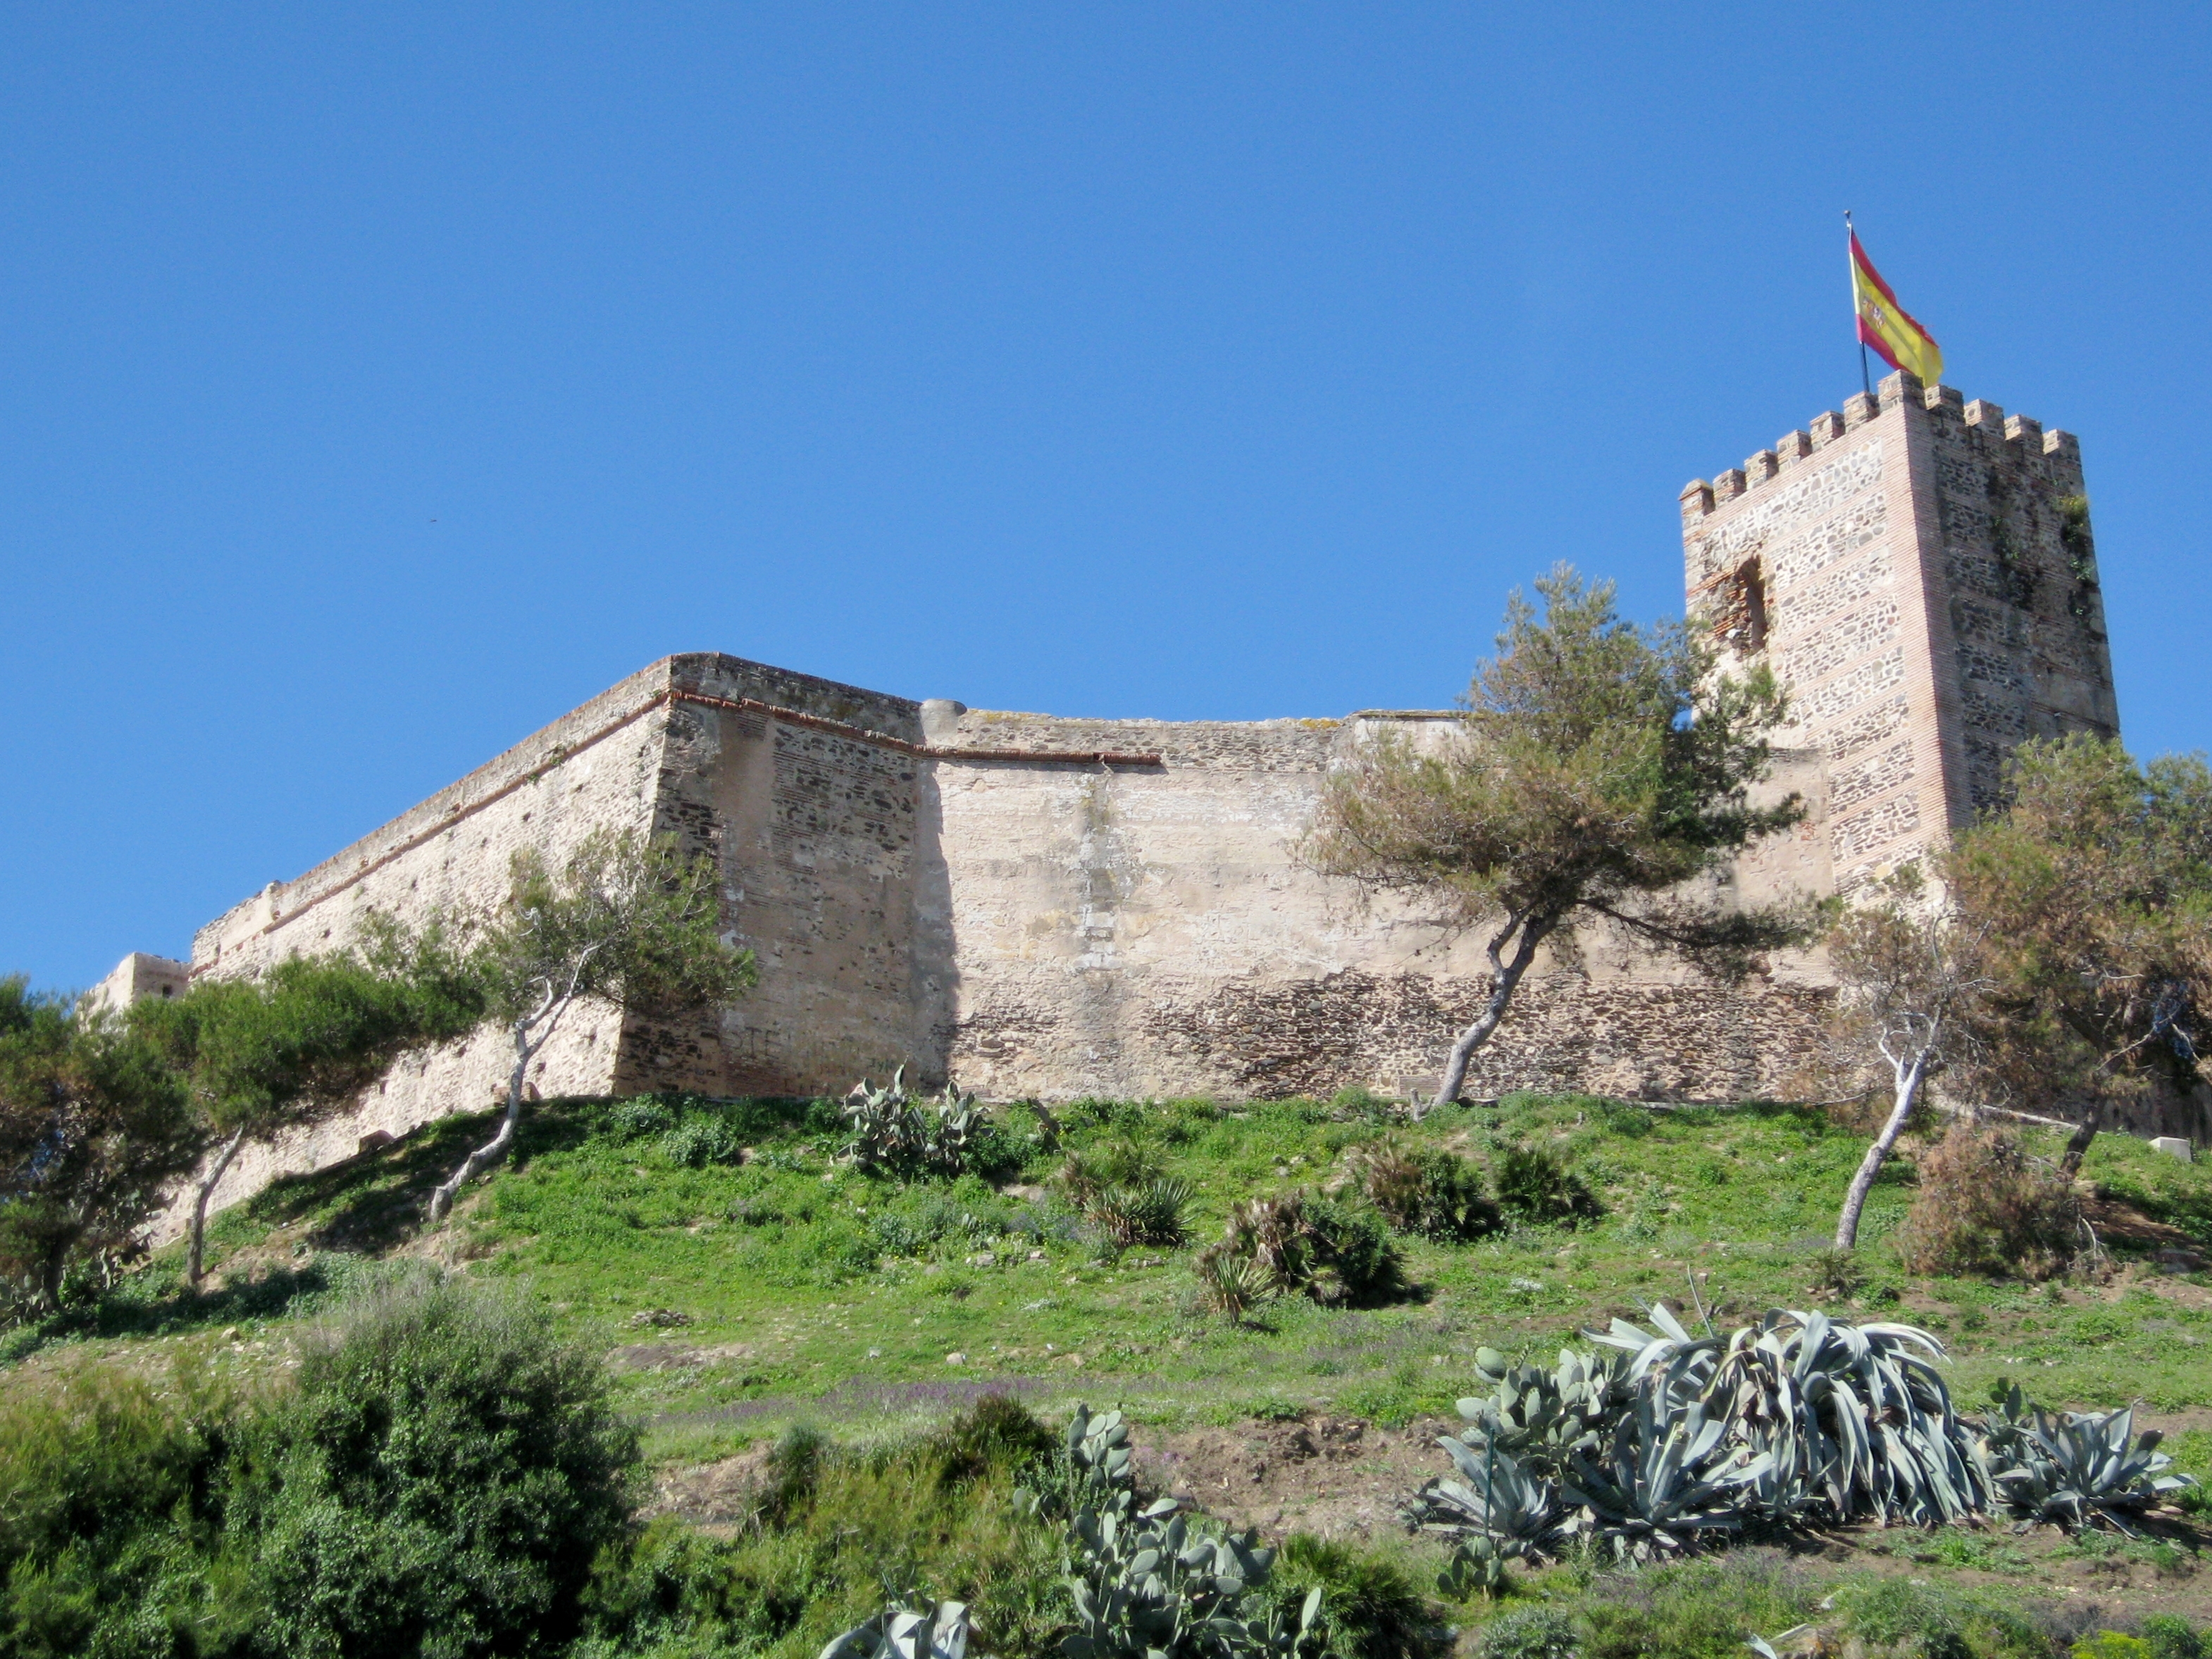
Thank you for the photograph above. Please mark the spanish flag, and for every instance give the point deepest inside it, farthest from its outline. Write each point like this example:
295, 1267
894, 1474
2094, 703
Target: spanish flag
1887, 327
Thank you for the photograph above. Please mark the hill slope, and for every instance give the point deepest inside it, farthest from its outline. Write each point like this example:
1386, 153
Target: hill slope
742, 1277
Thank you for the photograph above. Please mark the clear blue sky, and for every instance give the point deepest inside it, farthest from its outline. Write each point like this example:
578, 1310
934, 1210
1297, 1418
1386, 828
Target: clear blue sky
380, 382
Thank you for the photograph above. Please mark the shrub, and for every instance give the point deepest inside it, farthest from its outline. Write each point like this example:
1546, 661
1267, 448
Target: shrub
1357, 1100
441, 1482
671, 1583
1534, 1185
2110, 1644
1697, 1610
1531, 1633
1431, 1193
1334, 1252
1985, 1207
113, 1504
700, 1140
794, 1469
2169, 1637
1834, 1273
645, 1114
1369, 1607
849, 1530
1943, 1623
996, 1431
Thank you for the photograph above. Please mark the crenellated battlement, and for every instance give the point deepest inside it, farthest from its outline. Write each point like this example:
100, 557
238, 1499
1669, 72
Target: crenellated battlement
1918, 570
2019, 439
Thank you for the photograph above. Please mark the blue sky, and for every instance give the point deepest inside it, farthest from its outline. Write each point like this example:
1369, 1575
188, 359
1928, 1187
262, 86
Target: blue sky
377, 383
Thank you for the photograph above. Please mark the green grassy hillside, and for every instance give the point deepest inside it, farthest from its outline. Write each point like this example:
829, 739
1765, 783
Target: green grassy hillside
743, 1277
789, 1276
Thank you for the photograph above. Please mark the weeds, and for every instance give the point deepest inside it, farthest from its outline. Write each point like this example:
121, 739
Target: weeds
1986, 1206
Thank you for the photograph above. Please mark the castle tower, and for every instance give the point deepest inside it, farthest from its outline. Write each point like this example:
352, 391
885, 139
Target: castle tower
1919, 571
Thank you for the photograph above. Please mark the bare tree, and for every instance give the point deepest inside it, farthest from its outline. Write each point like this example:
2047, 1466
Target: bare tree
625, 921
1598, 770
1908, 980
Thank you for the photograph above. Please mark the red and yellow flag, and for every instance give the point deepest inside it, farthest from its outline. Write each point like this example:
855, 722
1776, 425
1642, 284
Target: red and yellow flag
1887, 327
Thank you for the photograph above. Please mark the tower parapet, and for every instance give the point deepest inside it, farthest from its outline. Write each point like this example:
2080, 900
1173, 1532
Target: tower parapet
1919, 571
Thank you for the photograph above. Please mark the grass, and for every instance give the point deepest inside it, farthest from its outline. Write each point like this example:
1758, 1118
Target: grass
743, 1279
738, 1297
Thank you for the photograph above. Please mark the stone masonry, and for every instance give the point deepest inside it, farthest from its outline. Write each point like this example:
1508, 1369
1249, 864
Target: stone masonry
1919, 571
1036, 906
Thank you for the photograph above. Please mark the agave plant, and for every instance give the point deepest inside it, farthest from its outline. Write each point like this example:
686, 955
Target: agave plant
1496, 1499
2085, 1467
1855, 1419
1669, 1477
1664, 1437
935, 1632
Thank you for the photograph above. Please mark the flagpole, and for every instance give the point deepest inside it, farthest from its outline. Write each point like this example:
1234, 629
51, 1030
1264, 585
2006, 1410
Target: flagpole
1866, 377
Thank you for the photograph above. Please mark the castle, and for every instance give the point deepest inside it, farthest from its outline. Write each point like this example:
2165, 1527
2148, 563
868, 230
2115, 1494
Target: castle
1039, 906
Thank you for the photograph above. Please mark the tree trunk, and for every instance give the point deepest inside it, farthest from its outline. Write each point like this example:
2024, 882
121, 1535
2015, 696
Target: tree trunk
1908, 1091
52, 1267
2077, 1145
1507, 976
195, 1255
442, 1200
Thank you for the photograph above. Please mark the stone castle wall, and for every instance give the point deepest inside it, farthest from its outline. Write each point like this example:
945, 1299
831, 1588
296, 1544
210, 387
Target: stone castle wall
1028, 905
633, 760
1151, 930
1042, 907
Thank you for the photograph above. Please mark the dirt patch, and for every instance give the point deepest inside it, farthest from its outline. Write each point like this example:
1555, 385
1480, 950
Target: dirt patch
1336, 1476
717, 1497
674, 1356
2121, 1578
